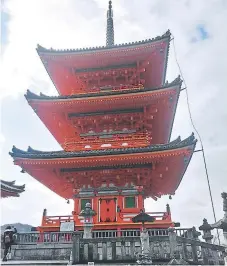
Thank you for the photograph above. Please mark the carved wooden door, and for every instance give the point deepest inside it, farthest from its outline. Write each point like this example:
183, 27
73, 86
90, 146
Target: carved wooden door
107, 209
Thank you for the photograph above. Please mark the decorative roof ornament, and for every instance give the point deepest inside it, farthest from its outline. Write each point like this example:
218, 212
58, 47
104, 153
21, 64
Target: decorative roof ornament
110, 26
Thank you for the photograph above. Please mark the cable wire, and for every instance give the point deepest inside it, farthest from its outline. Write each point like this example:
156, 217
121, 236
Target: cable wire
197, 132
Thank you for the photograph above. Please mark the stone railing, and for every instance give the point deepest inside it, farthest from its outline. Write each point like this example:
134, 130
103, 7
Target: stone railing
55, 237
118, 246
162, 249
36, 237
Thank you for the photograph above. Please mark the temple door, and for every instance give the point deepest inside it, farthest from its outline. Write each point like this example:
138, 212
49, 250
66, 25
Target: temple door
107, 209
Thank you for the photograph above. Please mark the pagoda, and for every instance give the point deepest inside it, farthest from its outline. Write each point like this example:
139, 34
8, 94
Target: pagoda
9, 189
113, 119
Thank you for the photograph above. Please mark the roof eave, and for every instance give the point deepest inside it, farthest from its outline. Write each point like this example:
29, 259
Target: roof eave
32, 96
34, 154
42, 50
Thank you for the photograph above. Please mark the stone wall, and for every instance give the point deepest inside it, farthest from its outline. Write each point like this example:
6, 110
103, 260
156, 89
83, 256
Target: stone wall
44, 251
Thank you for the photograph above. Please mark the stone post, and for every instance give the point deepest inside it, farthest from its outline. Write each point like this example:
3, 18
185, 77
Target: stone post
75, 258
206, 228
193, 234
87, 230
173, 243
145, 245
88, 214
225, 258
224, 227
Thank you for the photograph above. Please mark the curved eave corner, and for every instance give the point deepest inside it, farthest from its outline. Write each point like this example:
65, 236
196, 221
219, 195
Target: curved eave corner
187, 162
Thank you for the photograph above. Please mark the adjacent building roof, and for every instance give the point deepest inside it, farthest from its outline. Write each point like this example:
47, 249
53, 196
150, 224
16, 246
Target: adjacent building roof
9, 189
36, 154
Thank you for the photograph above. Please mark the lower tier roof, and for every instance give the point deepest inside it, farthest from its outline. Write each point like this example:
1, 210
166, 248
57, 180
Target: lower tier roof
9, 189
157, 169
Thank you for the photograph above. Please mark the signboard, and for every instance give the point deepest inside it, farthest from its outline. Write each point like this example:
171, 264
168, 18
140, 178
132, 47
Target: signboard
67, 227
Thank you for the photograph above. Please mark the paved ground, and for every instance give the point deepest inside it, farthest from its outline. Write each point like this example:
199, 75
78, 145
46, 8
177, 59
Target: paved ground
48, 262
33, 263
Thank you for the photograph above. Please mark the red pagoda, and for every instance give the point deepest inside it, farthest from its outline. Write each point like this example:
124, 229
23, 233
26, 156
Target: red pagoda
9, 189
113, 119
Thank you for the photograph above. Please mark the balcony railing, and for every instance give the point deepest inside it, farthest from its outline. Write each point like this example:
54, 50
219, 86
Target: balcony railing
112, 142
57, 220
110, 88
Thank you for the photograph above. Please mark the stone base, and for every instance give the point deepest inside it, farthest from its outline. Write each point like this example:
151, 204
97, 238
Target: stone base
177, 262
144, 259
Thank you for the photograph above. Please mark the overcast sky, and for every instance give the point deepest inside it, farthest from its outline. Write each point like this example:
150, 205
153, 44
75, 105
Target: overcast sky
199, 29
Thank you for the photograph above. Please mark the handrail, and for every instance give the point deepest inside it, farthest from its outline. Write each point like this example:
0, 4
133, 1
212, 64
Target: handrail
55, 216
200, 243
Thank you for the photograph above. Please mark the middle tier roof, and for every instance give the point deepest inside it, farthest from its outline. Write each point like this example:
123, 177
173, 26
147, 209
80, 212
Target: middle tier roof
109, 119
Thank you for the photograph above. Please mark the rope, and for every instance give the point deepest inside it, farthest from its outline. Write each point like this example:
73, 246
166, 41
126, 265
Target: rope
197, 132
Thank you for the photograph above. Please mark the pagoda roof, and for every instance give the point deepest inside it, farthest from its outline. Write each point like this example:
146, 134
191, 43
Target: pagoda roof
36, 154
8, 188
32, 96
41, 49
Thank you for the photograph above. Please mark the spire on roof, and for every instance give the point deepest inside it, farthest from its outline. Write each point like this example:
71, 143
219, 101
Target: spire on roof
110, 26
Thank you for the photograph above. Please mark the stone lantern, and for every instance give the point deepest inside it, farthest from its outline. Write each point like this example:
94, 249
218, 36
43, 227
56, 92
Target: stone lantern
222, 223
88, 214
145, 257
206, 228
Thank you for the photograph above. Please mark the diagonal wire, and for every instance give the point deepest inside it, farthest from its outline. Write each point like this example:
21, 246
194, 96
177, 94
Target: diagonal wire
200, 139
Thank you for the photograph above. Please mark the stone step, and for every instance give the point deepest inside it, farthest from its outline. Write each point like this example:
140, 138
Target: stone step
34, 262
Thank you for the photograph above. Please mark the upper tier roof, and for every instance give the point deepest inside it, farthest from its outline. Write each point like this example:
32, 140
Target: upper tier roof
76, 71
36, 154
41, 50
9, 189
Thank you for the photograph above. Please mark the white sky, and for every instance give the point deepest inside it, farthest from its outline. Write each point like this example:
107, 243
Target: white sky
201, 41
